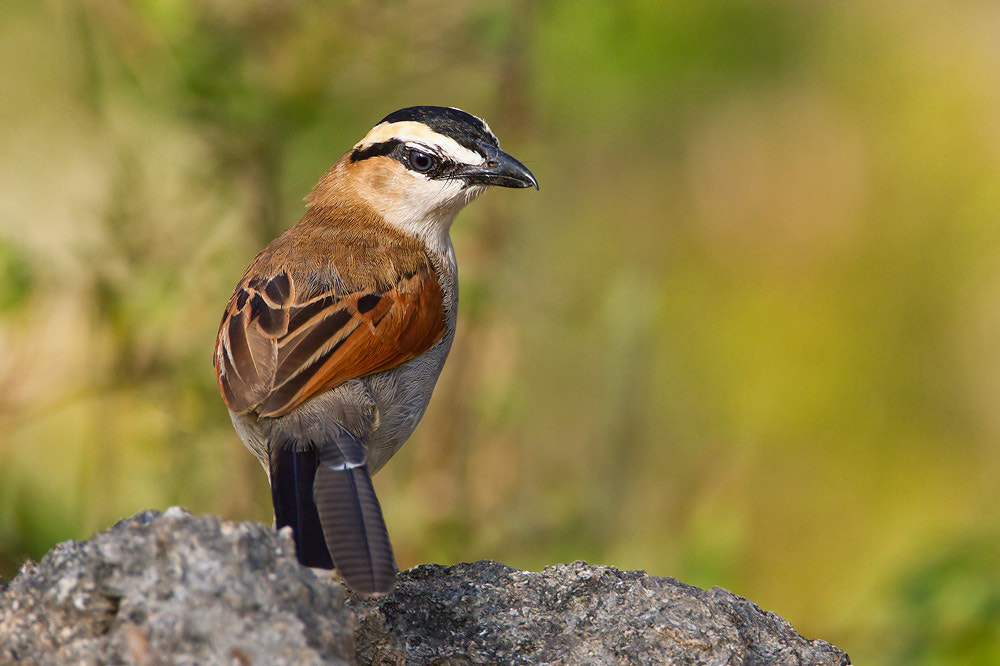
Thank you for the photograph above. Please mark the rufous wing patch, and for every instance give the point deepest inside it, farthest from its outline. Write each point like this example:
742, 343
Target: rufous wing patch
275, 351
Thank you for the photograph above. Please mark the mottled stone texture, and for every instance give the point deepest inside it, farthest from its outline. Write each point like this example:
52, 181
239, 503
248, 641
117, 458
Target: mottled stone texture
174, 588
488, 613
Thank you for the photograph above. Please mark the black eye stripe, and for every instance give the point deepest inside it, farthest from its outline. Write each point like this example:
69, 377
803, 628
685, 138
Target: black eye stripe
375, 150
441, 165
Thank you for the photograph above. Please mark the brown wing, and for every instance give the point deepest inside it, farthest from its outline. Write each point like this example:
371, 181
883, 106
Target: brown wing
275, 351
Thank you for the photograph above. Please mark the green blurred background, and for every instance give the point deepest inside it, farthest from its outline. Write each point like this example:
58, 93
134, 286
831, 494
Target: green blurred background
745, 335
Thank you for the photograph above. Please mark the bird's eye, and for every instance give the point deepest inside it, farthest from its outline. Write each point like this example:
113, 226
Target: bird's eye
421, 161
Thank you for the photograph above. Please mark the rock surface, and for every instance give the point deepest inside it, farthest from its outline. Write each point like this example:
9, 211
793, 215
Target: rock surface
175, 588
489, 613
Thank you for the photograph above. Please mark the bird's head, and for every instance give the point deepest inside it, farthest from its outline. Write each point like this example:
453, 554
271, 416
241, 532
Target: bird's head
420, 165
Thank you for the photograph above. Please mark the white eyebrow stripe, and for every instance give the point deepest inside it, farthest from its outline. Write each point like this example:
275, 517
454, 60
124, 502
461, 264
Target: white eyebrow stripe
410, 131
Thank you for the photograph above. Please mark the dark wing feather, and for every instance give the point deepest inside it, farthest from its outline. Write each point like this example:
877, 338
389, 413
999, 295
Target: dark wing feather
275, 351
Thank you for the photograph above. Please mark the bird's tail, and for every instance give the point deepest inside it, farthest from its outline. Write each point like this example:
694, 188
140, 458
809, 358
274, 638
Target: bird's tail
326, 495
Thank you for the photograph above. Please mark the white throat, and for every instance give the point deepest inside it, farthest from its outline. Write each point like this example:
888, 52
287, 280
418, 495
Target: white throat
427, 211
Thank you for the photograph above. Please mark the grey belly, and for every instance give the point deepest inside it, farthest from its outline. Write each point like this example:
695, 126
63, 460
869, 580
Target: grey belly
401, 396
381, 410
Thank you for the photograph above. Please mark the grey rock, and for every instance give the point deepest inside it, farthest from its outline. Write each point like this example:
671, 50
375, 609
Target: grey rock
173, 588
489, 613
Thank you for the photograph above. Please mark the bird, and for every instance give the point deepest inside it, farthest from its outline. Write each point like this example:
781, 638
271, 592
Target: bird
332, 342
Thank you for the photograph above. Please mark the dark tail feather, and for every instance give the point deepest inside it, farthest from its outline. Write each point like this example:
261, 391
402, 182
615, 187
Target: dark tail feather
352, 522
292, 475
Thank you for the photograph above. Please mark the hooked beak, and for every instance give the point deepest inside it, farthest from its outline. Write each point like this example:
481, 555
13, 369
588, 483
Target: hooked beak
499, 169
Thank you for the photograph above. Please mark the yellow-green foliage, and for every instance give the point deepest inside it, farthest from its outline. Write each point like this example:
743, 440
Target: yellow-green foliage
747, 334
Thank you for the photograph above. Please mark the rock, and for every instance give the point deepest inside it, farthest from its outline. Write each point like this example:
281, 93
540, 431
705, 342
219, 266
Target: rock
489, 613
176, 588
